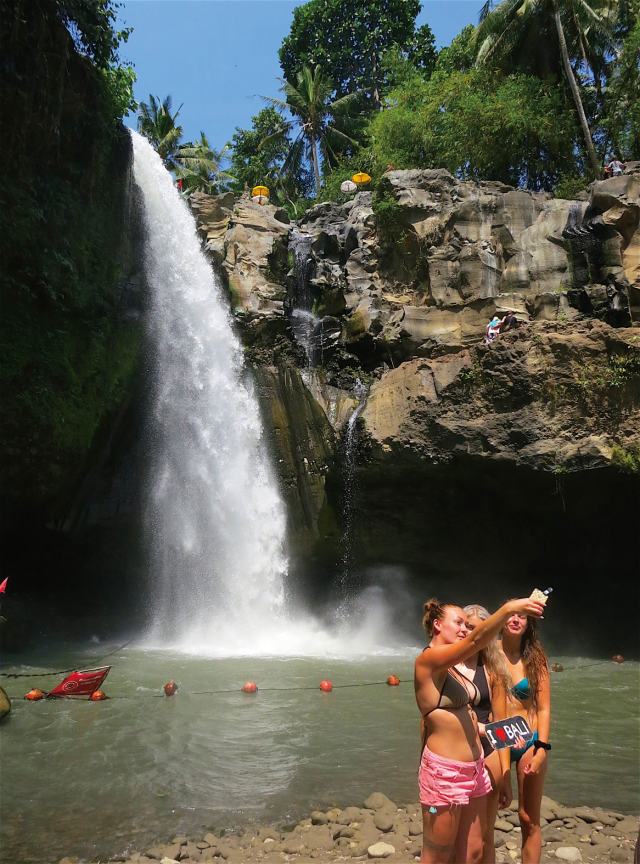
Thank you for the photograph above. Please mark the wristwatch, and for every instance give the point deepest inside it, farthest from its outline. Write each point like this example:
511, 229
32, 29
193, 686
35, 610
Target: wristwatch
537, 744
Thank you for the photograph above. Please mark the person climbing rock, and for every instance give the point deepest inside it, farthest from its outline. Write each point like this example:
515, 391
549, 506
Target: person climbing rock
493, 330
509, 322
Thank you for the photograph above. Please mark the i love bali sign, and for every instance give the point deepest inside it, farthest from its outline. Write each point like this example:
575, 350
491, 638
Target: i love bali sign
505, 733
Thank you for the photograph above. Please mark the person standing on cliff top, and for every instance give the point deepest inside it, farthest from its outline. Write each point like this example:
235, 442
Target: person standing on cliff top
615, 168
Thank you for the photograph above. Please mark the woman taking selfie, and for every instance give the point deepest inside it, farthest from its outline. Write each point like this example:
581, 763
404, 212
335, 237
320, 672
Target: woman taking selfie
529, 697
453, 780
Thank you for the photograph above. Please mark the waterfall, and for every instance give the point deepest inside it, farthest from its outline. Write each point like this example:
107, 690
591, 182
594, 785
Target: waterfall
216, 522
214, 518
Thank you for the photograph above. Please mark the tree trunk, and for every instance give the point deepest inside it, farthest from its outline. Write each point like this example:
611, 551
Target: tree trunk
314, 159
573, 86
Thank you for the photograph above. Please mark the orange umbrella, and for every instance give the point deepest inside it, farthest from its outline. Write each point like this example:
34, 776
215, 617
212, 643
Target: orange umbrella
260, 190
361, 178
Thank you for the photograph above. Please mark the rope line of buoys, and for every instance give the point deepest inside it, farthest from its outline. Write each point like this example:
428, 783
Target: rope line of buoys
251, 687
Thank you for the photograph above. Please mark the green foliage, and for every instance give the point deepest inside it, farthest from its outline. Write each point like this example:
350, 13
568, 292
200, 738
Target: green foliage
90, 25
157, 122
324, 122
388, 213
460, 56
626, 458
258, 153
197, 164
570, 186
118, 91
621, 112
479, 125
362, 160
68, 355
624, 369
348, 38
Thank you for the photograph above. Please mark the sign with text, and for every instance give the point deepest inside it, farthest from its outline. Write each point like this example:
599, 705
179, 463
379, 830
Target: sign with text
505, 733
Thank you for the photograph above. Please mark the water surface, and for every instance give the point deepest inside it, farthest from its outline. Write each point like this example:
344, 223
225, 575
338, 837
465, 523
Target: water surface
94, 779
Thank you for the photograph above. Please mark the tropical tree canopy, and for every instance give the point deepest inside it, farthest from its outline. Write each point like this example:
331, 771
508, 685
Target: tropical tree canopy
361, 31
259, 153
323, 122
157, 122
197, 164
479, 124
544, 37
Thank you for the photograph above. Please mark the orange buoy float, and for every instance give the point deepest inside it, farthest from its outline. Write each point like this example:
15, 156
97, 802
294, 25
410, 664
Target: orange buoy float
98, 696
326, 686
249, 687
34, 694
170, 688
618, 658
393, 681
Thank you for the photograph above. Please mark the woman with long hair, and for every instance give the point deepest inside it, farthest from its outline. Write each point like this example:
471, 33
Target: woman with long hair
452, 778
530, 697
487, 670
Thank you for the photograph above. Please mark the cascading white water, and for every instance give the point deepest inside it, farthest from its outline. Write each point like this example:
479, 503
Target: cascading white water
217, 522
215, 519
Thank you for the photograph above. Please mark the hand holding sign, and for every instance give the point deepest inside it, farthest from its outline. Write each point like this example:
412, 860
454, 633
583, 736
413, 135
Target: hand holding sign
508, 733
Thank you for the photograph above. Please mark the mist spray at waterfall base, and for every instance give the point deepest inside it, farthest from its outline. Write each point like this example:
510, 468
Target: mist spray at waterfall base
214, 518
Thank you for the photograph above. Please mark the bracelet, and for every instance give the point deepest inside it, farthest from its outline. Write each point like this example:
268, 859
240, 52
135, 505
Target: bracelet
537, 744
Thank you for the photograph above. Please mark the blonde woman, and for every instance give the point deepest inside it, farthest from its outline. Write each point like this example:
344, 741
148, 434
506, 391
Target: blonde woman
487, 671
453, 780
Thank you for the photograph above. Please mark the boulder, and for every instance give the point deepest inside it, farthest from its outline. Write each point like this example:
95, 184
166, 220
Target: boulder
568, 853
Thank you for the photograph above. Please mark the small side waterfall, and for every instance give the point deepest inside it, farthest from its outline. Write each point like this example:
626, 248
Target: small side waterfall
303, 322
347, 586
216, 521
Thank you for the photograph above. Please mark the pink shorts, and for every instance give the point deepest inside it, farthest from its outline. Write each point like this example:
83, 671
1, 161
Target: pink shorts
446, 781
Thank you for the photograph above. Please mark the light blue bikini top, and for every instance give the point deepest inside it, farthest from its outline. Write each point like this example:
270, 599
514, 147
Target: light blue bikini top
522, 690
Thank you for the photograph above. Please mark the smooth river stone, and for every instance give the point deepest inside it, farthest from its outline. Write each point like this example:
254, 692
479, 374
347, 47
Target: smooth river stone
568, 853
380, 850
383, 820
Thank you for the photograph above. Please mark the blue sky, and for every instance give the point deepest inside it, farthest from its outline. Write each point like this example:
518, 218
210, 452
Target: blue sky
217, 56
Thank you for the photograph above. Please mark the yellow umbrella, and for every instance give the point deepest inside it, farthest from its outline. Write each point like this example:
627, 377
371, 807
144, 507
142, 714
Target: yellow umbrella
260, 190
361, 177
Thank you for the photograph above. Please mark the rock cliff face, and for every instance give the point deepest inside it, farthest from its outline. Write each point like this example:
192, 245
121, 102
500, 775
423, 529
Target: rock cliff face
396, 288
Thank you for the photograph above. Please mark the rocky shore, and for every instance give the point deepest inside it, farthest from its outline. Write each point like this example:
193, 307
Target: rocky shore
386, 830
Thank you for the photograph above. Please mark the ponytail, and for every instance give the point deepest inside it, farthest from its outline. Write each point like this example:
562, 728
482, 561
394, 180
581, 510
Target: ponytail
433, 611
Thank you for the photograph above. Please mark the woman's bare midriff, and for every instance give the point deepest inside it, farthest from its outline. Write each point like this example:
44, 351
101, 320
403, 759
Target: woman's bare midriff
453, 733
526, 711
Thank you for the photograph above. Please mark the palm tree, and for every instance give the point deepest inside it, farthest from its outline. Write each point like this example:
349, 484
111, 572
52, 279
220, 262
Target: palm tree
158, 124
522, 32
197, 164
308, 100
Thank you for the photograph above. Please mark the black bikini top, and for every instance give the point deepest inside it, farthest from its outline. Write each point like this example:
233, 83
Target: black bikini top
456, 692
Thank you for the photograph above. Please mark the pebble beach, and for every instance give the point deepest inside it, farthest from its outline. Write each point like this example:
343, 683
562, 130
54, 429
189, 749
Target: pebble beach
382, 829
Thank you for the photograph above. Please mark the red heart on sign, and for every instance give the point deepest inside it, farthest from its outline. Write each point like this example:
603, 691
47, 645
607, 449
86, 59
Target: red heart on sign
502, 735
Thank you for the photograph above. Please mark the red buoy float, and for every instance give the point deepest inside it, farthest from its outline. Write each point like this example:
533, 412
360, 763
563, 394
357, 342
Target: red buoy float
249, 687
393, 681
170, 688
326, 686
98, 696
34, 694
